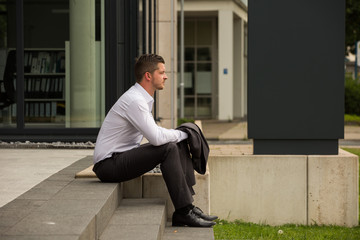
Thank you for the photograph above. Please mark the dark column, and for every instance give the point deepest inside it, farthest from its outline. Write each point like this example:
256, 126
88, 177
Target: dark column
296, 76
120, 47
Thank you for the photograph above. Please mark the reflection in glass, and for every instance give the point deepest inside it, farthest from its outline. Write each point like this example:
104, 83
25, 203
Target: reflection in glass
204, 54
189, 54
189, 106
203, 107
7, 64
189, 75
46, 29
203, 78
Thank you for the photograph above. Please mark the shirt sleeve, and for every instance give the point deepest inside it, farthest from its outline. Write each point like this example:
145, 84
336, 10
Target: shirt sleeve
140, 117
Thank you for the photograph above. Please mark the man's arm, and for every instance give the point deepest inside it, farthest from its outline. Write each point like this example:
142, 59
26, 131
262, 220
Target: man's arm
140, 117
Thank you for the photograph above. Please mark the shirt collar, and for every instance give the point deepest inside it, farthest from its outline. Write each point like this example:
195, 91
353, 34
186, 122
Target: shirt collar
149, 99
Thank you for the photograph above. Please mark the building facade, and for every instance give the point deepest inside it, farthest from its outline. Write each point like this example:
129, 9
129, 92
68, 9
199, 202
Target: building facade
64, 63
215, 59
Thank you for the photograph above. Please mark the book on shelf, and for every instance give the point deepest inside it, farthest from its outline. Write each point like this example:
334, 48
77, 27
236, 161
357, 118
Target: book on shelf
45, 61
40, 109
44, 87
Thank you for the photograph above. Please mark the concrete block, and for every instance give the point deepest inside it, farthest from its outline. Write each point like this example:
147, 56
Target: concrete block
333, 189
106, 212
133, 188
154, 187
137, 219
139, 212
259, 189
202, 191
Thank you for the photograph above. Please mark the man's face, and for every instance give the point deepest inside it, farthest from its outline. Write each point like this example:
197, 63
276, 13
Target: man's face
159, 77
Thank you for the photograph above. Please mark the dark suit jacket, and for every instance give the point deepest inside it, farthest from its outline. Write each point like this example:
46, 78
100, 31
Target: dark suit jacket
198, 146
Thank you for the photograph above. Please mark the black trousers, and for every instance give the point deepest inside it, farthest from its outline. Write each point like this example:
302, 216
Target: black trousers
177, 169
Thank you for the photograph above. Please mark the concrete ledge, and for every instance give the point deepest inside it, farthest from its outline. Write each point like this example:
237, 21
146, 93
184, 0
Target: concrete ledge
61, 207
152, 185
281, 189
260, 189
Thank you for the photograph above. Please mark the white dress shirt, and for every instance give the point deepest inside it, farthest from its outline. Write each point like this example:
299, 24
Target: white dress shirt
128, 121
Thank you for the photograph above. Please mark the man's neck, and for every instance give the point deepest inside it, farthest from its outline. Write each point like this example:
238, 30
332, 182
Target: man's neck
147, 88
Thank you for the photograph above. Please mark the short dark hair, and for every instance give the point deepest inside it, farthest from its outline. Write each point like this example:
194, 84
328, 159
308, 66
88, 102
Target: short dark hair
146, 63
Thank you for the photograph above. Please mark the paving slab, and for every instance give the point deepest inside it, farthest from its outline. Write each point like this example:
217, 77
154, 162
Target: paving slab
22, 169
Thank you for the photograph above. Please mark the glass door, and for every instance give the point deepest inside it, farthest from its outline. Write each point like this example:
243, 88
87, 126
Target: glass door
198, 67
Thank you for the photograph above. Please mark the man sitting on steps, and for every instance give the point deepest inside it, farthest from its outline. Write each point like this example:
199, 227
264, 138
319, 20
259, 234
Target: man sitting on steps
119, 156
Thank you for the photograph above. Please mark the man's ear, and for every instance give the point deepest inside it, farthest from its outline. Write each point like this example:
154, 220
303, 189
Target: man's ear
148, 76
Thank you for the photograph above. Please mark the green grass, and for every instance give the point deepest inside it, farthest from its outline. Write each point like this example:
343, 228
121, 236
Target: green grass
242, 230
352, 119
249, 231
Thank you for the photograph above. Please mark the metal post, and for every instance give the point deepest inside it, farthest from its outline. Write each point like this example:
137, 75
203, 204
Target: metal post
150, 27
172, 63
182, 61
20, 64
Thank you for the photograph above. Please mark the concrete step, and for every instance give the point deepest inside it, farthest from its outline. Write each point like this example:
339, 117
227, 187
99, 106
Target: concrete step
185, 233
61, 207
137, 219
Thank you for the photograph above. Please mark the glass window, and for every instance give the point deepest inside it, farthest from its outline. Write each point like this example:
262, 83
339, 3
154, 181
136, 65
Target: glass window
189, 54
189, 79
62, 87
204, 33
203, 78
8, 104
204, 107
189, 33
189, 106
198, 72
204, 54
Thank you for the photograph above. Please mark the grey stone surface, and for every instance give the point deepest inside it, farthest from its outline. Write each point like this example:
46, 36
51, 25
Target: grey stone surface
88, 188
42, 223
131, 232
23, 169
41, 237
182, 233
61, 207
139, 212
106, 212
15, 211
44, 190
133, 188
137, 219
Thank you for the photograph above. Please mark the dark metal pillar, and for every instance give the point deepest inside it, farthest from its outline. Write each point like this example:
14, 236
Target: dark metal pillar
120, 47
296, 76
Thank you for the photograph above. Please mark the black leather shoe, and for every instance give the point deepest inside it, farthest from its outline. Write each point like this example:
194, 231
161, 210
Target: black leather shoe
190, 219
202, 215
